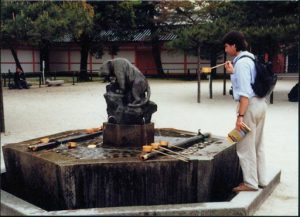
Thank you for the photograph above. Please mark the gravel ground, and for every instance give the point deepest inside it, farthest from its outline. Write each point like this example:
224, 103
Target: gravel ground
43, 111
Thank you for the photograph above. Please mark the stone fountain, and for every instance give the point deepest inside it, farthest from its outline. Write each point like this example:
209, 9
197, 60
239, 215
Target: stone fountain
107, 166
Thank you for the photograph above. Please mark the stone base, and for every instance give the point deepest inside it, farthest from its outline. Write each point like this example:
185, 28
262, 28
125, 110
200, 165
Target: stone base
56, 180
243, 204
128, 135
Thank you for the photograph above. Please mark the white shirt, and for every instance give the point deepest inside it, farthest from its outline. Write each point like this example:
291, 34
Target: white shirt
244, 73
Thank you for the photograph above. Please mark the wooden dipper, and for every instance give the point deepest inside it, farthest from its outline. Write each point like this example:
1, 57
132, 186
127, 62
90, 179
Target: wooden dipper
163, 143
208, 69
147, 148
44, 140
155, 145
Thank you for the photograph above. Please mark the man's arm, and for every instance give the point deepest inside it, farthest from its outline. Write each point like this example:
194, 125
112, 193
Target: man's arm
244, 102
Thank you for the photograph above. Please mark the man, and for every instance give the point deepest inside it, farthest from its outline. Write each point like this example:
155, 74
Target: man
251, 110
20, 80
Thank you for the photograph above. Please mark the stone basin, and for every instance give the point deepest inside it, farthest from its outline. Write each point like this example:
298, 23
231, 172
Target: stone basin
60, 178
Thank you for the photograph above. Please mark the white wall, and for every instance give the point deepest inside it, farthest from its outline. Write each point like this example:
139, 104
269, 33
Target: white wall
65, 59
28, 58
172, 61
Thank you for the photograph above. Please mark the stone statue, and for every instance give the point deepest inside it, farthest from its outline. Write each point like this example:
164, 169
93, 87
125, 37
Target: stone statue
130, 80
127, 94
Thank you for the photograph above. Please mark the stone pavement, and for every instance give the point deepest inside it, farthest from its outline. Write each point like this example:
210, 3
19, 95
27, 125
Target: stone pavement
47, 110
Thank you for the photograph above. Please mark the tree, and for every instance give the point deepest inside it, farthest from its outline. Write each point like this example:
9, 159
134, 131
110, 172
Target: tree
49, 25
80, 27
160, 18
277, 24
90, 20
199, 36
34, 23
267, 25
14, 26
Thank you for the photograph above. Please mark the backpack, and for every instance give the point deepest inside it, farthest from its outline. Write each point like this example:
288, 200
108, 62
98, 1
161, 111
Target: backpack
265, 79
293, 95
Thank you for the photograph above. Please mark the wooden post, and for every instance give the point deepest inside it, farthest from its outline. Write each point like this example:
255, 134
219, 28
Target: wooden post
210, 86
198, 75
2, 125
224, 76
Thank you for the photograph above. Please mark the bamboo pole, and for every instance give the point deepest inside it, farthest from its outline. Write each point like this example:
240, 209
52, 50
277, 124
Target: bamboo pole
181, 155
183, 144
163, 153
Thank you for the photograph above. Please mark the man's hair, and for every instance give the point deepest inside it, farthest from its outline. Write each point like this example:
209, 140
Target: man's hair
237, 38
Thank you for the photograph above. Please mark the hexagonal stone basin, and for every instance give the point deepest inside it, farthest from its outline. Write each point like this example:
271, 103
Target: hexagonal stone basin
59, 178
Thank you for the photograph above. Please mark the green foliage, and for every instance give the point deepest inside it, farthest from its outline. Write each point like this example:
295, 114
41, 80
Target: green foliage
14, 22
79, 19
116, 18
202, 32
48, 25
37, 22
267, 25
273, 24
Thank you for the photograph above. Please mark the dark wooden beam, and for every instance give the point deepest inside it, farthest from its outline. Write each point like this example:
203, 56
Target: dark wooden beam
2, 125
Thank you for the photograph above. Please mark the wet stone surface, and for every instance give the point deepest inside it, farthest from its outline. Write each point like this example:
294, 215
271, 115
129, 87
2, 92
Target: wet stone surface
82, 151
102, 151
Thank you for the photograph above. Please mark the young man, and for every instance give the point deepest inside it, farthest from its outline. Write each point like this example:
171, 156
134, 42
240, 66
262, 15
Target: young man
251, 110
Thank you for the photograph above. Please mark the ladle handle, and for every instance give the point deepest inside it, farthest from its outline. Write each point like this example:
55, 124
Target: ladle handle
174, 152
176, 147
218, 65
178, 158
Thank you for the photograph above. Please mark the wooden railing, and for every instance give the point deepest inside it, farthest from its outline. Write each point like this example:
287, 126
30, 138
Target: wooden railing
9, 76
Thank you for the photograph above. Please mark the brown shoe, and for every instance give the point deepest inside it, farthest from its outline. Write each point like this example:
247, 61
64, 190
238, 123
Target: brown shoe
243, 187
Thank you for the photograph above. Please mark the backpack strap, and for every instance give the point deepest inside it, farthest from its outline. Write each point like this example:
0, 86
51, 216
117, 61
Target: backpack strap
253, 59
246, 56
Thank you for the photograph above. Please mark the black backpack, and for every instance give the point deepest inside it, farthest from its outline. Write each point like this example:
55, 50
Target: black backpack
265, 79
293, 95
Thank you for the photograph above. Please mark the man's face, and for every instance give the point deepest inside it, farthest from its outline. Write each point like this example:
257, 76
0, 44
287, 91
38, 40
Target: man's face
230, 49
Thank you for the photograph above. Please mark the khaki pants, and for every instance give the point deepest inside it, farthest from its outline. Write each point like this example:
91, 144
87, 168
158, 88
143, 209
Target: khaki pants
250, 150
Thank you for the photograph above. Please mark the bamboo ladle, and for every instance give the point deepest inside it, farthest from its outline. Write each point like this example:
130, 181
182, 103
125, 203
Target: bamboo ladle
153, 148
208, 69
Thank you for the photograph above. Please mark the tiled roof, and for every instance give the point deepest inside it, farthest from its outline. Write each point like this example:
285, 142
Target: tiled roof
145, 35
142, 35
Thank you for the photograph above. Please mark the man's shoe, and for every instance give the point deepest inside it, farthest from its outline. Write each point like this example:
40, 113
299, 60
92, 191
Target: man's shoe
262, 186
243, 187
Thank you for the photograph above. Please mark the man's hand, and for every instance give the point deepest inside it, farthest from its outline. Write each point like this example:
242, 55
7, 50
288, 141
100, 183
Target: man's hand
238, 124
229, 67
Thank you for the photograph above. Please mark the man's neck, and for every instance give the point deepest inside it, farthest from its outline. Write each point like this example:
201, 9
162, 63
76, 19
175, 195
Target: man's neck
237, 53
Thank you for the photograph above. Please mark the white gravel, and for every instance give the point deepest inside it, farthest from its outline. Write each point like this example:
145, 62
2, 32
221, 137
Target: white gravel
43, 111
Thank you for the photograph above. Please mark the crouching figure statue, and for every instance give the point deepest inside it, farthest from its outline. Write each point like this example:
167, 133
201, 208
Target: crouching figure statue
127, 94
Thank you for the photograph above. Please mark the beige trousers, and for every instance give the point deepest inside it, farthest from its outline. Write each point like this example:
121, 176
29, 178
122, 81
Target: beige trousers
250, 150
